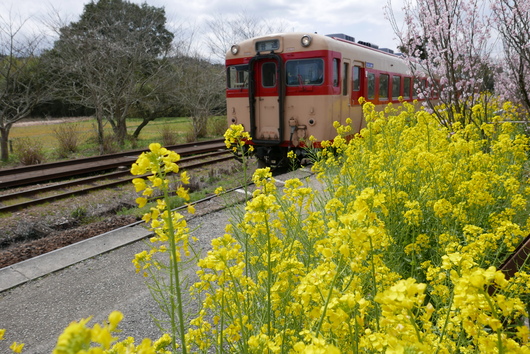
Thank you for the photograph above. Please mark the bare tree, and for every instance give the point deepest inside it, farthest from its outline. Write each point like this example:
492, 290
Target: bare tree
199, 89
21, 76
223, 32
512, 20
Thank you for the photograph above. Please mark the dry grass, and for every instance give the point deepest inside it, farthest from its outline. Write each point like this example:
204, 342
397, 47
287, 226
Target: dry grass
45, 132
86, 127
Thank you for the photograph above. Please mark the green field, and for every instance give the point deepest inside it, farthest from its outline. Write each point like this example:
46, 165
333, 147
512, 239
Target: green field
45, 134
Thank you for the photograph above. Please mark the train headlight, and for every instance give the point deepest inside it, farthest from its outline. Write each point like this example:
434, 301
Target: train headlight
306, 40
234, 49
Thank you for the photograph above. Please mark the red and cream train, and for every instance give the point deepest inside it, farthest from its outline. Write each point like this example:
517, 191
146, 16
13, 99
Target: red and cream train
283, 88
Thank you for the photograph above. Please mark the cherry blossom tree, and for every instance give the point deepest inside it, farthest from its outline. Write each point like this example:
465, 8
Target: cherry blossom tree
447, 43
512, 21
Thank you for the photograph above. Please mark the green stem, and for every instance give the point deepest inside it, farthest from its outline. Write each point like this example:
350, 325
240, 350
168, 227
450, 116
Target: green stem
220, 334
415, 325
494, 313
269, 277
174, 281
374, 281
356, 336
237, 287
446, 323
328, 298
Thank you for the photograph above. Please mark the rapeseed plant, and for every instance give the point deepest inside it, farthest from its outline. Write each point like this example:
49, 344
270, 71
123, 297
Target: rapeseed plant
398, 251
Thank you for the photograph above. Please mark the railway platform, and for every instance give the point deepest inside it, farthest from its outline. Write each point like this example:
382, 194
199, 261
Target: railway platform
41, 296
34, 268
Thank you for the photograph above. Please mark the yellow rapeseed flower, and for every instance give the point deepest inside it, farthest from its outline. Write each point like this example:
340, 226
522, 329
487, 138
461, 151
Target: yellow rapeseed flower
16, 347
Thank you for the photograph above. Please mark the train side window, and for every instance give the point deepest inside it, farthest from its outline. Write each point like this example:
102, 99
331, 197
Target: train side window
396, 87
345, 79
356, 78
371, 86
336, 72
305, 72
416, 88
436, 89
383, 86
406, 88
237, 76
268, 74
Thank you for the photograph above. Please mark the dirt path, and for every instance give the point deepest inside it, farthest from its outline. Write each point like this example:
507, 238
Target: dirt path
35, 121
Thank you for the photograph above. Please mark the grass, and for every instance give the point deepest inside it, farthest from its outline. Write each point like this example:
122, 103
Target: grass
203, 184
45, 134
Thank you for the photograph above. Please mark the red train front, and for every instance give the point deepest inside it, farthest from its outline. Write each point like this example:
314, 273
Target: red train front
284, 88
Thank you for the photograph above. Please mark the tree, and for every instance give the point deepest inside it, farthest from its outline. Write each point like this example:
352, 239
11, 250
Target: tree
446, 42
223, 32
109, 60
512, 20
199, 89
21, 77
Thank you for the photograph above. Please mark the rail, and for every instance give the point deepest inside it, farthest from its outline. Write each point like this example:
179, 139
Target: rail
88, 184
20, 176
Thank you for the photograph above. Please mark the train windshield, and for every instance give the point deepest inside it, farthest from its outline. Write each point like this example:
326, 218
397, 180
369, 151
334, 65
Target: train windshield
305, 72
237, 76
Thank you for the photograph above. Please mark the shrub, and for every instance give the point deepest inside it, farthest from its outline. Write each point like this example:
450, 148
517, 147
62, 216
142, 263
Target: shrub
68, 137
110, 145
29, 151
168, 135
217, 126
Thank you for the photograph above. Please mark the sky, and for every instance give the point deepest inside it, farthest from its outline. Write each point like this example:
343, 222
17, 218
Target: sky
362, 19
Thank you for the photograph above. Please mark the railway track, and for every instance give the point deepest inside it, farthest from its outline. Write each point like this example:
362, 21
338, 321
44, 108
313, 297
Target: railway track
26, 175
197, 155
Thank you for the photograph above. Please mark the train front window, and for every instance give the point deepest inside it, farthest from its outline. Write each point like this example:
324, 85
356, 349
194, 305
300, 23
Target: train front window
237, 76
305, 72
268, 74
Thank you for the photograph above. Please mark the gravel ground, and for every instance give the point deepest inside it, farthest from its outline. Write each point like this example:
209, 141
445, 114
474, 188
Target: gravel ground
38, 311
42, 229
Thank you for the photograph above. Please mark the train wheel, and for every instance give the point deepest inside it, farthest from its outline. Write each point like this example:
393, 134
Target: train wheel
261, 163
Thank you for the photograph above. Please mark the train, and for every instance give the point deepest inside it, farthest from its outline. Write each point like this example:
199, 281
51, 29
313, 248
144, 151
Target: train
284, 88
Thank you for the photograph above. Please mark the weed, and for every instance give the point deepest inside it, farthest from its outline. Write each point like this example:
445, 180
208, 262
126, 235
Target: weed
168, 135
110, 145
68, 136
29, 151
79, 213
217, 125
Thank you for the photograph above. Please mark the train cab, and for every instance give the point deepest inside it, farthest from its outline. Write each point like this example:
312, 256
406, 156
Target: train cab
284, 88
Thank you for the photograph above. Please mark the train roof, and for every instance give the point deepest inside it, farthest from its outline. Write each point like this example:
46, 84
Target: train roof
382, 59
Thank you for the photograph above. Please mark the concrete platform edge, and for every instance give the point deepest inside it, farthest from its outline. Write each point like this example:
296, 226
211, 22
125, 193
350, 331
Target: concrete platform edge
33, 268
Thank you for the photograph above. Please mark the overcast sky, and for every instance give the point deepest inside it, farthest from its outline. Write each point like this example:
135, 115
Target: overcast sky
361, 19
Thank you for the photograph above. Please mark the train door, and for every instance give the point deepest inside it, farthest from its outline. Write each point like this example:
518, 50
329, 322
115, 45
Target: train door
345, 90
357, 81
357, 91
266, 99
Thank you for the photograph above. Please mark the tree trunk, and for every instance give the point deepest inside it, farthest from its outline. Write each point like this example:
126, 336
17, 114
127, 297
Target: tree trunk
138, 129
121, 131
4, 142
101, 135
